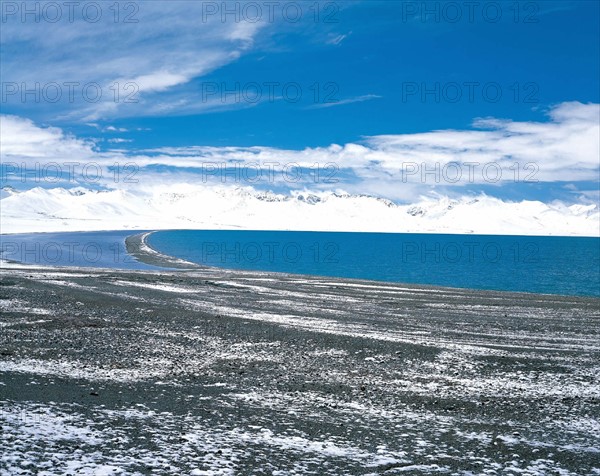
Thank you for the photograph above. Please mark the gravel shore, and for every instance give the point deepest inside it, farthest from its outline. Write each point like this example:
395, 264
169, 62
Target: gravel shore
207, 372
138, 248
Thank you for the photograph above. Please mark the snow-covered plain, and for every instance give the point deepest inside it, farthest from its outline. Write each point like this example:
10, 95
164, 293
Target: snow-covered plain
189, 206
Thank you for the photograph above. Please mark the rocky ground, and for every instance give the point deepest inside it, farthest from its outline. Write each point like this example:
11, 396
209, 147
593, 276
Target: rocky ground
205, 371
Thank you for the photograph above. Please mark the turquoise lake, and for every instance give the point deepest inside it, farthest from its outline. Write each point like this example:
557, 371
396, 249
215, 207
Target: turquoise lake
554, 265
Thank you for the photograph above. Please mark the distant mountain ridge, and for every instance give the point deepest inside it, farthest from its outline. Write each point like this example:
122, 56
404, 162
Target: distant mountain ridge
204, 207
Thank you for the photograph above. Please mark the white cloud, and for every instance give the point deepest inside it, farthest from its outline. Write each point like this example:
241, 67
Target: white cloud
365, 97
169, 45
159, 81
244, 31
337, 39
399, 167
107, 128
23, 141
564, 148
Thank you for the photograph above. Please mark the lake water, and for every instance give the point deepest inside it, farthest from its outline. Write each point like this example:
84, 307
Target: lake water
95, 249
554, 265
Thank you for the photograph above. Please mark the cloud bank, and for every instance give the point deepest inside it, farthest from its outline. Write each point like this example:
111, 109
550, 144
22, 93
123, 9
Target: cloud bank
403, 167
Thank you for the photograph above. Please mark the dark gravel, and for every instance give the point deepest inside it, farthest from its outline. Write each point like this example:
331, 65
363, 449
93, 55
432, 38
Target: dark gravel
226, 372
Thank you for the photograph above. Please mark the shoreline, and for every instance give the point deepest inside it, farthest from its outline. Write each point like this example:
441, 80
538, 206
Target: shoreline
137, 247
374, 232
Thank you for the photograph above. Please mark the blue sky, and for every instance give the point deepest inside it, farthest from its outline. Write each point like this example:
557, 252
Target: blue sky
559, 55
369, 62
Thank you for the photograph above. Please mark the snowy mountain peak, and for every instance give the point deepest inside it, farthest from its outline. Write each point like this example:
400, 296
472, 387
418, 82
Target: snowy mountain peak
203, 207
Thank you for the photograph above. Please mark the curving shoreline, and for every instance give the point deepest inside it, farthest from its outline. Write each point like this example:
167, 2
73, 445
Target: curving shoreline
138, 247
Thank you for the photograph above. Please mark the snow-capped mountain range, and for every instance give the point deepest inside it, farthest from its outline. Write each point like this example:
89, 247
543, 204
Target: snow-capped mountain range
201, 207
